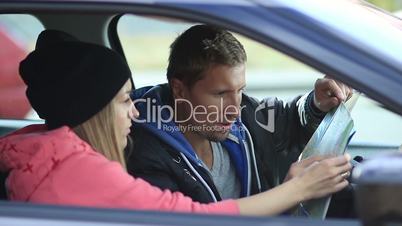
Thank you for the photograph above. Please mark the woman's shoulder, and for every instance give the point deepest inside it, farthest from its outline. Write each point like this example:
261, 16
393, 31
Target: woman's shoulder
33, 153
37, 140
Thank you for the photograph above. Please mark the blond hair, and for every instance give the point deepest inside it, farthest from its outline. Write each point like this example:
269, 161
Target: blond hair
100, 132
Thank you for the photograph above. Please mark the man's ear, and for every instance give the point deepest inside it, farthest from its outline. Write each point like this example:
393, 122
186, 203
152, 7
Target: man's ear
178, 88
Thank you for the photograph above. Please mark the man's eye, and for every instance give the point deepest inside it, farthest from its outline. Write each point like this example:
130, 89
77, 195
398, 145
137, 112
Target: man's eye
127, 100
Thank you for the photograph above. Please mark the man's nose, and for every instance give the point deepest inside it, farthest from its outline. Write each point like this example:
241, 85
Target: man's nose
232, 108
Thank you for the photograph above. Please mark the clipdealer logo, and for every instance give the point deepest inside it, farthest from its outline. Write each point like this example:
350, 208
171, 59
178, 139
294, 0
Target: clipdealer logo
268, 106
162, 115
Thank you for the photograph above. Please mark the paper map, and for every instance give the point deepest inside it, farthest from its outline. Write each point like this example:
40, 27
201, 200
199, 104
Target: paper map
331, 138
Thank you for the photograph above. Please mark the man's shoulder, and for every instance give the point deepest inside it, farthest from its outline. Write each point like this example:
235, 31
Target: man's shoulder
145, 141
251, 103
249, 100
151, 158
147, 147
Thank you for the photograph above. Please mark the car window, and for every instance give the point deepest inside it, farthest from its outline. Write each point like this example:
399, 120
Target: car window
18, 34
146, 42
359, 21
376, 127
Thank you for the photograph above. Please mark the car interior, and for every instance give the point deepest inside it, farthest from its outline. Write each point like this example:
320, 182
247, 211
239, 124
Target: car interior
143, 38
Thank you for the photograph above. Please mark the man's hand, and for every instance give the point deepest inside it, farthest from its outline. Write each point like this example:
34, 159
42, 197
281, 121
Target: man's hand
298, 167
324, 177
329, 93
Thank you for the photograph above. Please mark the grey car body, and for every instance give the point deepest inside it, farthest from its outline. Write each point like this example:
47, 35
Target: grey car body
312, 32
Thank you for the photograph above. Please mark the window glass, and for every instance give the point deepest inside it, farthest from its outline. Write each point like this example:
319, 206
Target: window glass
354, 20
375, 127
18, 34
146, 42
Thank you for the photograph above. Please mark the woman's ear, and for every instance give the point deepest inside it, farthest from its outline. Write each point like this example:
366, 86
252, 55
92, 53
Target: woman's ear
178, 88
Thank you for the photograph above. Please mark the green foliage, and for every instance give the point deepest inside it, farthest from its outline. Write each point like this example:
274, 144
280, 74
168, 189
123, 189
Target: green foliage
389, 5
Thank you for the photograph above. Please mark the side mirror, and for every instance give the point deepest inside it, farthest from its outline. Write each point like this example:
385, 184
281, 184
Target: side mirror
379, 190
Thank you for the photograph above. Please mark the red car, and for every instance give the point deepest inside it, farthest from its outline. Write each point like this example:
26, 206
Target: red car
13, 102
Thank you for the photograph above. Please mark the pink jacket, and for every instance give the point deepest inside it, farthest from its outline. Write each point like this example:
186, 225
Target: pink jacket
57, 167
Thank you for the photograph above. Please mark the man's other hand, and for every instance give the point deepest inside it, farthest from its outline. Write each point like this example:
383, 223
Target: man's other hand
329, 93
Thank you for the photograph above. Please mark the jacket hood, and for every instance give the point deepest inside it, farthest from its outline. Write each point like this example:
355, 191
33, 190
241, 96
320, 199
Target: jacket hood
147, 100
31, 153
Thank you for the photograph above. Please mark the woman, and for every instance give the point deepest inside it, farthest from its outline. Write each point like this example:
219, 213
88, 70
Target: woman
76, 158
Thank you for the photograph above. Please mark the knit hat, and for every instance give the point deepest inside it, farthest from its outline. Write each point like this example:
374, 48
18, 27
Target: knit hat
70, 81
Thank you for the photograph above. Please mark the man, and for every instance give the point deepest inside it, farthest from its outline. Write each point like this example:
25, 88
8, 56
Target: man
201, 135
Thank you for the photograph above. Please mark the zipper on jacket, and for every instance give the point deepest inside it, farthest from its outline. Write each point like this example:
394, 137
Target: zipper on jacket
246, 153
199, 177
253, 157
248, 168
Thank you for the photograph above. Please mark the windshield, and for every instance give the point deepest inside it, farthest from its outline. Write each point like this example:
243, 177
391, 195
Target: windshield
355, 21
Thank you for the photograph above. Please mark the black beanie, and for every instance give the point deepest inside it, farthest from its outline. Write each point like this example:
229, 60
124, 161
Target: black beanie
70, 81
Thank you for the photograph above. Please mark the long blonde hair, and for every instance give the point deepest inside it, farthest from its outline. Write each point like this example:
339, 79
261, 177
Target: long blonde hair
100, 132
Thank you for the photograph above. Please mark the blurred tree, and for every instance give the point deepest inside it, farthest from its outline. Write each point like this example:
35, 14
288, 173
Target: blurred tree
389, 5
